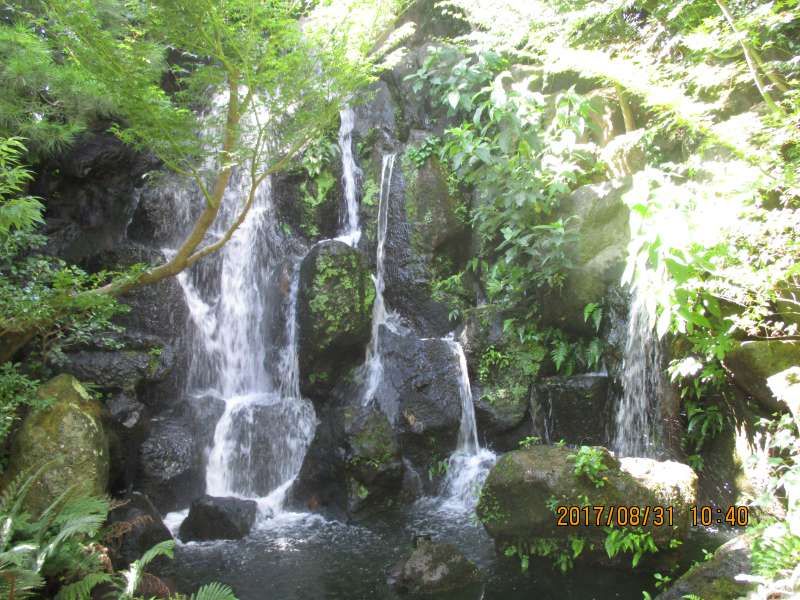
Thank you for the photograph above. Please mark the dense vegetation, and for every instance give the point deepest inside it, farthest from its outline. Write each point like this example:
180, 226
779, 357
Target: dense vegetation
709, 94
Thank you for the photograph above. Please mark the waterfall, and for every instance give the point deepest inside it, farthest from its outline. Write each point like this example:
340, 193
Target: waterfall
374, 364
351, 233
469, 465
637, 412
242, 303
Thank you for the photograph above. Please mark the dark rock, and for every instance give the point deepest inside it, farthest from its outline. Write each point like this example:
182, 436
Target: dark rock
374, 464
121, 369
320, 486
514, 500
353, 465
334, 312
432, 568
125, 410
571, 408
501, 411
420, 395
70, 435
90, 193
715, 579
218, 519
137, 527
170, 462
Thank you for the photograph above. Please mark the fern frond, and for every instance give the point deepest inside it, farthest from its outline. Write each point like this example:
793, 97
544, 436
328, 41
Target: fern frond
82, 590
164, 548
214, 591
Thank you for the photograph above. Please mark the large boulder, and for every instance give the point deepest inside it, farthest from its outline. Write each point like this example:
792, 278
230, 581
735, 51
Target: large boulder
213, 518
334, 311
420, 394
137, 527
501, 411
170, 465
599, 222
71, 436
571, 408
715, 579
753, 363
515, 500
434, 568
121, 369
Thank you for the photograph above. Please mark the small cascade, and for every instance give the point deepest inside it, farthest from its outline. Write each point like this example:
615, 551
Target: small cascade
374, 364
637, 413
469, 465
242, 304
351, 230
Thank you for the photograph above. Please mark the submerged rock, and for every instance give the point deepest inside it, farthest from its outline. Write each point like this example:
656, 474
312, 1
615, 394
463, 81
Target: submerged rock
213, 518
432, 568
139, 526
715, 578
70, 435
334, 312
571, 408
515, 500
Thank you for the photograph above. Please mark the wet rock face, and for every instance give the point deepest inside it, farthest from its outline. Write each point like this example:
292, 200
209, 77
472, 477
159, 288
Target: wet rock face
142, 528
334, 312
420, 394
571, 408
170, 465
213, 518
70, 431
514, 500
434, 567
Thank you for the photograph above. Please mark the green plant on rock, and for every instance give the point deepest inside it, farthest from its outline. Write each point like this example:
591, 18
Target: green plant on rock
529, 442
419, 155
634, 541
589, 463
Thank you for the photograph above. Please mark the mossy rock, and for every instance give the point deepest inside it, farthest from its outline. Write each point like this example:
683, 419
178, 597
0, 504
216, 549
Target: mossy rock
334, 315
715, 578
514, 501
753, 363
434, 568
71, 432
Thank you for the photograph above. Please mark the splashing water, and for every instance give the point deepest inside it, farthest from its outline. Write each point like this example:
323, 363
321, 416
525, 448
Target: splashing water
637, 413
374, 363
351, 174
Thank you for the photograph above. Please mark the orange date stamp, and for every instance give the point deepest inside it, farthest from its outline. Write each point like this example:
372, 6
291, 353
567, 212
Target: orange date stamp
648, 516
614, 516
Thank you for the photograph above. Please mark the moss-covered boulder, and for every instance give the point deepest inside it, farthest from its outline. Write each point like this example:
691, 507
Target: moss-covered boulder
517, 498
715, 579
753, 363
334, 312
71, 433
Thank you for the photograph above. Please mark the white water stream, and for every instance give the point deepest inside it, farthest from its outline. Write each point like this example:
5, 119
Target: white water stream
637, 411
242, 303
351, 175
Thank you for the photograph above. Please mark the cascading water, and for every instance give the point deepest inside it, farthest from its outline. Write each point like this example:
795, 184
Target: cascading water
351, 230
374, 364
635, 423
244, 351
469, 465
